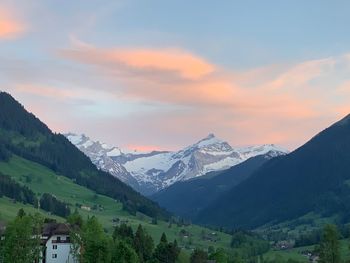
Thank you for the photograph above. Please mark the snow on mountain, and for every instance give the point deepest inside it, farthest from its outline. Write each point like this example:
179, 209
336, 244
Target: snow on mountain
102, 156
153, 171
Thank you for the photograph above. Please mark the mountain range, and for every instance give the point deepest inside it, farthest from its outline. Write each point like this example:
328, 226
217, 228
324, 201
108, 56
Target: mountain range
150, 172
209, 182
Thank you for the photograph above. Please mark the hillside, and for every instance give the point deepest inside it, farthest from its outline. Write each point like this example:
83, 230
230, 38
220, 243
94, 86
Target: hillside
24, 135
189, 197
88, 203
313, 178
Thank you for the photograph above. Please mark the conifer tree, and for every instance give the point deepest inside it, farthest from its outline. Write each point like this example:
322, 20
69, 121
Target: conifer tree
330, 246
143, 244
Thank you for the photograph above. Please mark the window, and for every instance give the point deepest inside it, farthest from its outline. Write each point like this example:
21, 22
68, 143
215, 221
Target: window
58, 239
54, 246
54, 255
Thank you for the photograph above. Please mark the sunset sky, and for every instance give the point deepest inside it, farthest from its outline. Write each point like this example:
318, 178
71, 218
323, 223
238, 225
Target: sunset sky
148, 74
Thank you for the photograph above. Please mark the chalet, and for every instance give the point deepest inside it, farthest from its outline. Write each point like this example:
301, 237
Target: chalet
284, 245
57, 246
85, 207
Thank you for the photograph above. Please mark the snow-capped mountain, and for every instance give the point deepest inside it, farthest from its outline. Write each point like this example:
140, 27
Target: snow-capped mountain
153, 171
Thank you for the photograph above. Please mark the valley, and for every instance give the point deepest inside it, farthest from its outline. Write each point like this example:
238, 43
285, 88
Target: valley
174, 131
41, 163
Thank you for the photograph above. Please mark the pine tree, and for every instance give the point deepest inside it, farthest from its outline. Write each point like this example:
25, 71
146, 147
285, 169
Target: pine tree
123, 233
163, 239
329, 245
143, 244
166, 252
123, 253
199, 256
21, 213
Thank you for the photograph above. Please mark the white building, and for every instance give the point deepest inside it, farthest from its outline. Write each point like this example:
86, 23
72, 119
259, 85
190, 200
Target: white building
57, 247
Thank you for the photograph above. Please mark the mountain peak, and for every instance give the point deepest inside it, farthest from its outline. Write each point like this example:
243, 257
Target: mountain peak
210, 136
209, 140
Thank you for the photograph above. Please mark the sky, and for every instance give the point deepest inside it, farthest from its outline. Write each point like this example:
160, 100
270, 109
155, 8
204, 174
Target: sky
160, 75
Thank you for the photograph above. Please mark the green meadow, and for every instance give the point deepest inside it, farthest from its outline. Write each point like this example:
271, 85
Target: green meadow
43, 180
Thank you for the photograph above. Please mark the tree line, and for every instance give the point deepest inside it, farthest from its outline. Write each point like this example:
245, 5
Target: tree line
124, 245
50, 203
22, 245
20, 193
15, 191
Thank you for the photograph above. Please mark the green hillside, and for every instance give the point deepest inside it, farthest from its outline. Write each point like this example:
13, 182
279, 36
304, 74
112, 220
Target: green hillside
297, 253
105, 208
9, 209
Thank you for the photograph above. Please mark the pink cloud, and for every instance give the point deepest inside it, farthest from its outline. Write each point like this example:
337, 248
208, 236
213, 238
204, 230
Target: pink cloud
10, 25
47, 91
301, 73
280, 101
188, 97
176, 61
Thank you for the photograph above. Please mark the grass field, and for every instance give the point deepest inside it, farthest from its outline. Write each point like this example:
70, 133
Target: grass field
288, 254
9, 209
43, 180
296, 254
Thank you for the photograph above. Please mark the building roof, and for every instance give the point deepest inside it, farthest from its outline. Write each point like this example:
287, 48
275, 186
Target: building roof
51, 229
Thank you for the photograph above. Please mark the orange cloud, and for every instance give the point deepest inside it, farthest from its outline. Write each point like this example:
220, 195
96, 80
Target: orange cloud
187, 65
166, 75
175, 61
149, 75
10, 27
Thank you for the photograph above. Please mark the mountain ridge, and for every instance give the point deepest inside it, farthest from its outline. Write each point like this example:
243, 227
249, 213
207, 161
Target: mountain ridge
150, 172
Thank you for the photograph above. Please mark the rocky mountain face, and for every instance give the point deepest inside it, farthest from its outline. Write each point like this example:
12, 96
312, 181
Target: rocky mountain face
152, 171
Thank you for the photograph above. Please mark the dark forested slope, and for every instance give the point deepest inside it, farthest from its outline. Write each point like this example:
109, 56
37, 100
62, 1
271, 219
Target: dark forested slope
313, 178
23, 134
187, 198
